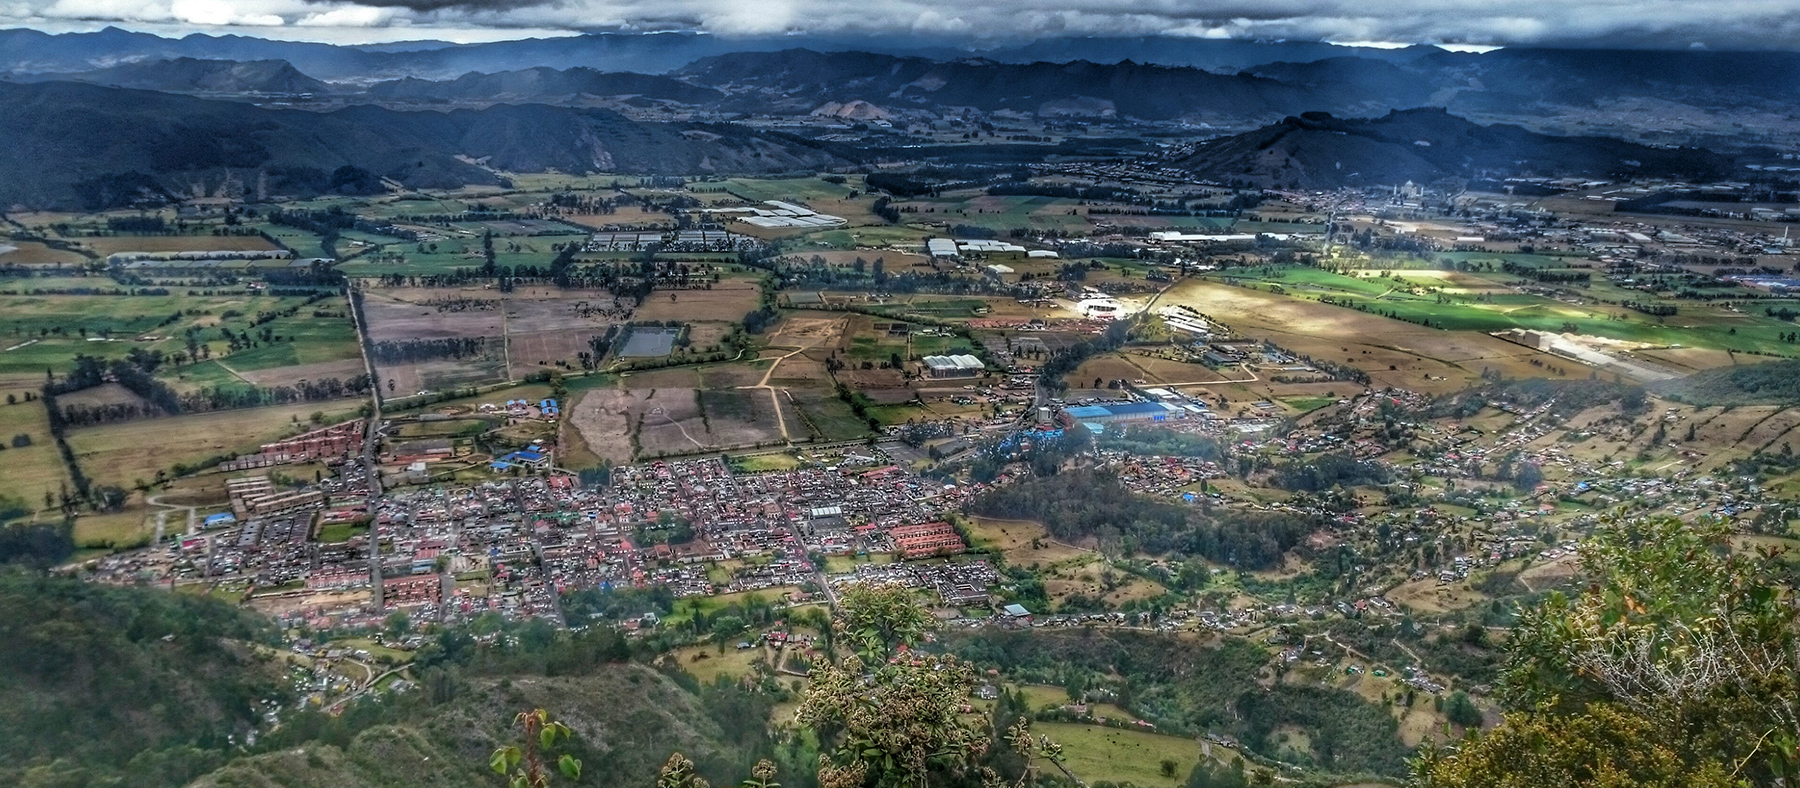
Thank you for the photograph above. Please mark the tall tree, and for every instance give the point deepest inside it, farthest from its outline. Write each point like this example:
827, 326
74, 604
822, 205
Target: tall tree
1679, 664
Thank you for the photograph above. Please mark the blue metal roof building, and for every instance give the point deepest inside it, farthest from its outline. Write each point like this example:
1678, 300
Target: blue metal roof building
1129, 411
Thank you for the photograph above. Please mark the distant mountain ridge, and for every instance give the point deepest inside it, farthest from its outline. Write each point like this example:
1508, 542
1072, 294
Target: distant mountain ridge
1318, 151
544, 84
72, 144
25, 50
191, 75
801, 79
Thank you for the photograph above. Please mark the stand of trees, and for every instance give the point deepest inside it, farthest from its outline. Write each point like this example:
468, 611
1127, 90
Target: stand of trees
1051, 373
1678, 664
1328, 471
405, 351
159, 398
1076, 505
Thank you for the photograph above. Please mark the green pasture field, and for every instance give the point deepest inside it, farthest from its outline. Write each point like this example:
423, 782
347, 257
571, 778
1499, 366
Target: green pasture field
802, 189
1096, 753
686, 607
551, 182
121, 529
314, 340
763, 462
25, 317
125, 452
830, 415
1534, 259
855, 237
27, 472
206, 374
416, 204
1698, 324
890, 415
840, 564
1280, 228
451, 255
447, 427
1001, 214
340, 532
303, 243
945, 308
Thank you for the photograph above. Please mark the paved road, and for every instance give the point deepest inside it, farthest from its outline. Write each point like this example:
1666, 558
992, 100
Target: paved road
371, 439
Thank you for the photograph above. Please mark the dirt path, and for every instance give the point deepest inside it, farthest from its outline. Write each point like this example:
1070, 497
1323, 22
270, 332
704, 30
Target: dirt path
774, 393
162, 517
234, 373
684, 432
1245, 367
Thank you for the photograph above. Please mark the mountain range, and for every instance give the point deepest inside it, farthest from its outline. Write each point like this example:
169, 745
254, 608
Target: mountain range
73, 144
24, 50
1724, 99
544, 85
799, 80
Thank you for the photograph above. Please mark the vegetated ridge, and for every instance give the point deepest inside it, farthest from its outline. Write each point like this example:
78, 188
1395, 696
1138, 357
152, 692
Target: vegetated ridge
94, 147
192, 75
1318, 151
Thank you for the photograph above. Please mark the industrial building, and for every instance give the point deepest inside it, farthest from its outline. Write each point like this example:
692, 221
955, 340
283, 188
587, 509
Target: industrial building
958, 366
533, 457
949, 248
677, 241
1130, 411
787, 214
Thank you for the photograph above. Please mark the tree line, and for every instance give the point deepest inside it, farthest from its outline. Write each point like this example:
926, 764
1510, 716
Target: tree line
406, 351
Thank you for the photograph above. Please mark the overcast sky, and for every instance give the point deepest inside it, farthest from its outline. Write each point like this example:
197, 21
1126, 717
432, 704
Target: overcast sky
1717, 24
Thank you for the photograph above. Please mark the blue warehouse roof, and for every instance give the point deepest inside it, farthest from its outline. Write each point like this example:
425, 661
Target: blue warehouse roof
1138, 409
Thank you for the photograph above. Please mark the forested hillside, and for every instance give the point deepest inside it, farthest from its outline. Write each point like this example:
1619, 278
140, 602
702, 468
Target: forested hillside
106, 686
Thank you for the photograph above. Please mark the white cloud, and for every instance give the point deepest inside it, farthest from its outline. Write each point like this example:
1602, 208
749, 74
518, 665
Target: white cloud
219, 12
1719, 24
349, 16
